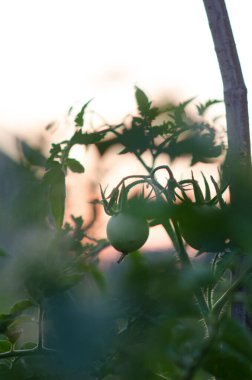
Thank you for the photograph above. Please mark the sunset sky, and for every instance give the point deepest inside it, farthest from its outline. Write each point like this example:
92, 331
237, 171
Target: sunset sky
55, 54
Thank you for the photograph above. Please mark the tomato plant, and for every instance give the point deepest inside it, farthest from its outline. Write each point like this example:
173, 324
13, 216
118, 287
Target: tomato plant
167, 315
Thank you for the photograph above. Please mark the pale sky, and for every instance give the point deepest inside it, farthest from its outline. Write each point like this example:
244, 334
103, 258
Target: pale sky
58, 53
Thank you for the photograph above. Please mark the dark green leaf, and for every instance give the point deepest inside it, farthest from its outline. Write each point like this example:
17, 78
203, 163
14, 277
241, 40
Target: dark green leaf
87, 138
199, 198
113, 198
203, 107
178, 113
207, 189
74, 165
79, 120
103, 146
55, 150
153, 113
143, 102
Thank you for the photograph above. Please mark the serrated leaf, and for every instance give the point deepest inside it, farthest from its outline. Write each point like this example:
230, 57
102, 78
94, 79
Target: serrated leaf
143, 102
79, 120
178, 113
20, 306
87, 138
203, 107
74, 165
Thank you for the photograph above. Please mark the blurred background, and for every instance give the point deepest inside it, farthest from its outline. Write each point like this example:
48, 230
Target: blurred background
59, 54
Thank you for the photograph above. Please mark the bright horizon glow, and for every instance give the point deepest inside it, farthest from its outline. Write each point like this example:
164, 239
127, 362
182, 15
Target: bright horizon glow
59, 53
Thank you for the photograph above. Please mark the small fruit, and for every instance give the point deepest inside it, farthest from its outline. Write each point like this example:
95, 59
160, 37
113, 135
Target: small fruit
203, 226
127, 232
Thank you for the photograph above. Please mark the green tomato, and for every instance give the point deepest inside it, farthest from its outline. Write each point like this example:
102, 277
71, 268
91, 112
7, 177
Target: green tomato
203, 227
127, 232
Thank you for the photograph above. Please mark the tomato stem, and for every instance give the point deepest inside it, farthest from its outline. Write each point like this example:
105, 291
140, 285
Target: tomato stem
123, 254
186, 262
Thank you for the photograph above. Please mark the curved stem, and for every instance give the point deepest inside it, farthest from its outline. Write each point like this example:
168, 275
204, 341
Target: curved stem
186, 262
210, 288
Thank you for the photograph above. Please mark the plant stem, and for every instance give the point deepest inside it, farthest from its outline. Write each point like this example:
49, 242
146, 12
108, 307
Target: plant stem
186, 262
234, 286
235, 96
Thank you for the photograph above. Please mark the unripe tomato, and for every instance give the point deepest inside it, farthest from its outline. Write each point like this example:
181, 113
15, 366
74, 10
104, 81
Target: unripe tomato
203, 226
127, 232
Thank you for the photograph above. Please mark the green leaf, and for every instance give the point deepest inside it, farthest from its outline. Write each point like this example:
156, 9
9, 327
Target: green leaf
5, 346
74, 165
178, 113
57, 195
112, 204
199, 197
20, 306
79, 120
87, 138
143, 102
203, 107
207, 189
